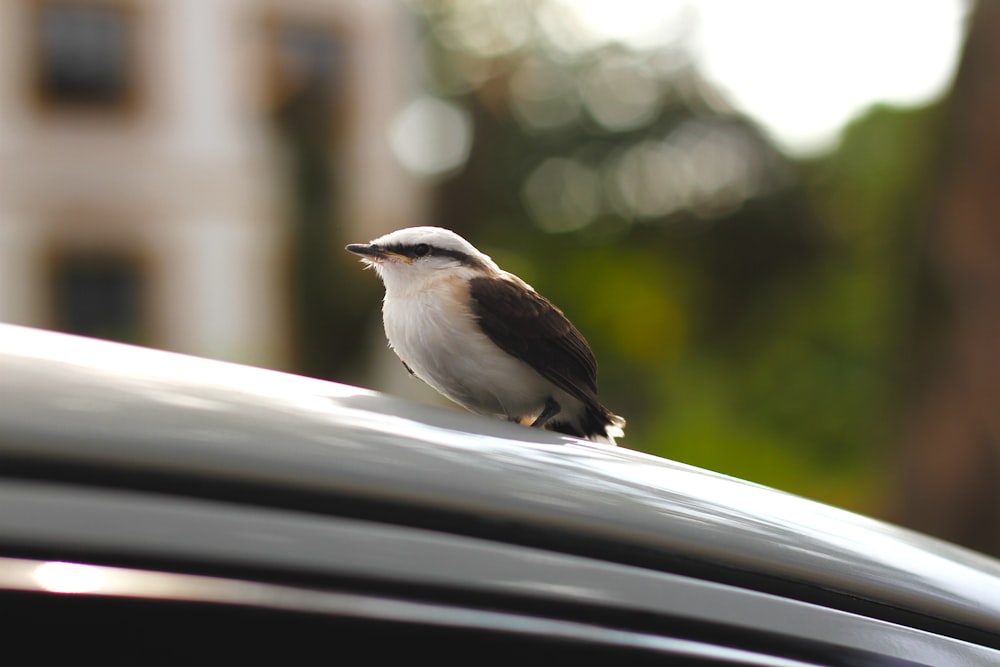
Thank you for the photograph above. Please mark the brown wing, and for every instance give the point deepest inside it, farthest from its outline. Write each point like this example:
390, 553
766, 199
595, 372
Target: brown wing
526, 325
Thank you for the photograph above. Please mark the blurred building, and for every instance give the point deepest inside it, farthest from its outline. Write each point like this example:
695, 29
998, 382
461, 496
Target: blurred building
146, 152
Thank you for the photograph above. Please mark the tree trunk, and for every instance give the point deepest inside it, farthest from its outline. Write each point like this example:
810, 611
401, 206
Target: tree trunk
950, 469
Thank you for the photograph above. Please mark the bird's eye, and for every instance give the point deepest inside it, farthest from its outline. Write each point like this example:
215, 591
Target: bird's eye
421, 249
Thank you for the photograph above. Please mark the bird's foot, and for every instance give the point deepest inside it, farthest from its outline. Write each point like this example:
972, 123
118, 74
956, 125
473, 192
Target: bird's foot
550, 410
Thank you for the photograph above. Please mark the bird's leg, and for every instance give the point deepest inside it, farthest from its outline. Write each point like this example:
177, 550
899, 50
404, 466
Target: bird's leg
550, 410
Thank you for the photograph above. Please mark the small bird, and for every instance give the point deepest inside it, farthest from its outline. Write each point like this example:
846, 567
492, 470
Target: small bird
483, 337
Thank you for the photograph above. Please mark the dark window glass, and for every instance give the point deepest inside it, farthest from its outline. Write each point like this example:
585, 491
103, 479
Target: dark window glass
99, 297
309, 63
83, 54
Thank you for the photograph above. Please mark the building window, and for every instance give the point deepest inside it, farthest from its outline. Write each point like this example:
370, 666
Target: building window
83, 54
98, 296
308, 63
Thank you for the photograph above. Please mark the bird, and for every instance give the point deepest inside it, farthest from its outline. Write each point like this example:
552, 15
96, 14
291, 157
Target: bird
484, 338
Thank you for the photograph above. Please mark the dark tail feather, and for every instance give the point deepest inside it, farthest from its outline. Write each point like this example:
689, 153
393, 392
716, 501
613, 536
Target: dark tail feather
596, 423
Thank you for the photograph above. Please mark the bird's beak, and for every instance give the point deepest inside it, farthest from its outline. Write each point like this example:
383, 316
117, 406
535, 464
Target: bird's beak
374, 253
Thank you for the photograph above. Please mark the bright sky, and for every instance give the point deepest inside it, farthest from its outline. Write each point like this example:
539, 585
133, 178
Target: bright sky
802, 68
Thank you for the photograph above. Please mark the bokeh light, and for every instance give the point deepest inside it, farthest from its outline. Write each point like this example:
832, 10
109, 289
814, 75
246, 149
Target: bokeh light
563, 194
621, 93
431, 137
542, 96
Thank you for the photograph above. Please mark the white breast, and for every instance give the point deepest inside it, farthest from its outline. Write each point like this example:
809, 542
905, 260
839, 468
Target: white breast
433, 331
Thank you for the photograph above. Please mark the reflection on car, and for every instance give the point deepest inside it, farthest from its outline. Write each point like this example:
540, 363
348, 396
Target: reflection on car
163, 508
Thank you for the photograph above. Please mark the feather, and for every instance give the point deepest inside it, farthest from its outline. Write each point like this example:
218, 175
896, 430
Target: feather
526, 325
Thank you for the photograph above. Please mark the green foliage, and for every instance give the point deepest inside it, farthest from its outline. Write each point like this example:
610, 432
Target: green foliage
808, 403
761, 344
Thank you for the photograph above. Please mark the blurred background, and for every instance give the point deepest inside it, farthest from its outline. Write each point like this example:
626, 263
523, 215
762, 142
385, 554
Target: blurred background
777, 222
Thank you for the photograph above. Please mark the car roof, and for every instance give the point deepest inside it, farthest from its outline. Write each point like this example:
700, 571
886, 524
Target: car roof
78, 408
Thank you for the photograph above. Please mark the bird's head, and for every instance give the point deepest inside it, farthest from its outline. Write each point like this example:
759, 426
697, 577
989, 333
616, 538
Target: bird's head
406, 257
